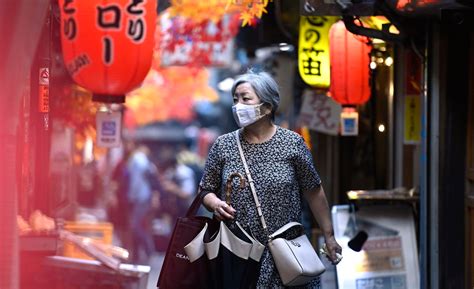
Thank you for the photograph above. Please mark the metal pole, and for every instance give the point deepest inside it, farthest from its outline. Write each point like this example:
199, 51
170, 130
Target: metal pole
424, 284
391, 131
434, 91
399, 99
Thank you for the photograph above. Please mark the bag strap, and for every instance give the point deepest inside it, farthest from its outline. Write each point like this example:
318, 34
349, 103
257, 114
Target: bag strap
192, 210
284, 228
252, 186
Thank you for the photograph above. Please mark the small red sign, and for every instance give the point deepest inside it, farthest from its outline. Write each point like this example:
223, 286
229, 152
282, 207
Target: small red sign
43, 101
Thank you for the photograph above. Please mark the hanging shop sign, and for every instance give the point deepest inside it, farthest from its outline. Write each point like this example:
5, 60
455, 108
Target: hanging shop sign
206, 43
320, 112
412, 119
349, 122
313, 50
412, 109
108, 127
350, 58
108, 45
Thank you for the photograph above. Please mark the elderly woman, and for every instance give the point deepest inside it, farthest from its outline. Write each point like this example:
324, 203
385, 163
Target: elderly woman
280, 164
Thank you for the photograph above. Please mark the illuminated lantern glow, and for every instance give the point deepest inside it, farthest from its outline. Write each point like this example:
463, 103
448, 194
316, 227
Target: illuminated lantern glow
313, 50
108, 45
350, 57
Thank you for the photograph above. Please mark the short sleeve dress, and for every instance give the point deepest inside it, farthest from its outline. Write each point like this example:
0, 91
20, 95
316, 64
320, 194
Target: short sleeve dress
282, 169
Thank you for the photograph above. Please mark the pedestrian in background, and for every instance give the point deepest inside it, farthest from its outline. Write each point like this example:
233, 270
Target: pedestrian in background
178, 185
119, 208
280, 164
141, 174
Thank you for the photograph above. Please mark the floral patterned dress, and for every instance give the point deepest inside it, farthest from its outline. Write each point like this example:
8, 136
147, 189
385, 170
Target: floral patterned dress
282, 168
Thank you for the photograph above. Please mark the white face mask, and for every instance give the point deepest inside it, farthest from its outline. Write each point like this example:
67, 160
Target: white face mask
246, 114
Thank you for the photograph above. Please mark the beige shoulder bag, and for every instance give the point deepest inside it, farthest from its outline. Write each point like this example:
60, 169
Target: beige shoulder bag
295, 259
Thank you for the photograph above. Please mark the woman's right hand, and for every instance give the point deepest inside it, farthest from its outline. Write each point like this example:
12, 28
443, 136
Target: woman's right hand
221, 209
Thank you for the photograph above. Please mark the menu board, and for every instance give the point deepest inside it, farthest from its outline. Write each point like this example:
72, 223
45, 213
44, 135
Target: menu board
388, 258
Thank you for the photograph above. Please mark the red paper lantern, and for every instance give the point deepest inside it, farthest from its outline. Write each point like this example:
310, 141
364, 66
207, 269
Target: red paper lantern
108, 45
350, 57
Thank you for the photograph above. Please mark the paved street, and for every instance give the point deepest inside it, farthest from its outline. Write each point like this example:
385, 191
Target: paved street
155, 262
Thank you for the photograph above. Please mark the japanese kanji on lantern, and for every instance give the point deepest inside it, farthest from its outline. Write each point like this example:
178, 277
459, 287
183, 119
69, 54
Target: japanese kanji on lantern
313, 50
108, 45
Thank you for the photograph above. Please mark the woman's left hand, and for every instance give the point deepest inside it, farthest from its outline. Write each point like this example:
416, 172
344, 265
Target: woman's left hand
223, 211
333, 251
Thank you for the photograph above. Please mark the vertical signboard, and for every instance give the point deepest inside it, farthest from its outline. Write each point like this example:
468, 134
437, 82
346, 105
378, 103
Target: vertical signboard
313, 50
43, 94
320, 113
412, 119
388, 258
412, 111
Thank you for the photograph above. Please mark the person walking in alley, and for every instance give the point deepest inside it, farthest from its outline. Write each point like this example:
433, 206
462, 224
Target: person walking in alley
281, 167
118, 210
141, 171
178, 185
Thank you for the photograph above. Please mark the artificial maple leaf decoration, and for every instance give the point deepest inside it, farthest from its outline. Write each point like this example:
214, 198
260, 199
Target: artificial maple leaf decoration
200, 11
250, 10
213, 10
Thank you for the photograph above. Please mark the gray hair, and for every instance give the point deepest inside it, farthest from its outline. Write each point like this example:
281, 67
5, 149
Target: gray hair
264, 85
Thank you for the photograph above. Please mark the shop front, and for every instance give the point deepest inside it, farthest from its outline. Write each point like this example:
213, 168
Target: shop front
424, 104
40, 171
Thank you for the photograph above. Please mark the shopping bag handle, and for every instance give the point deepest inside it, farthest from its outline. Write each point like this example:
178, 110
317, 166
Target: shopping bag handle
192, 210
